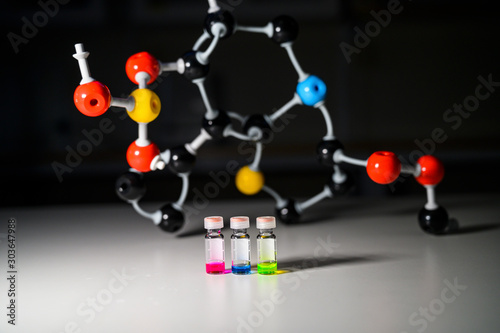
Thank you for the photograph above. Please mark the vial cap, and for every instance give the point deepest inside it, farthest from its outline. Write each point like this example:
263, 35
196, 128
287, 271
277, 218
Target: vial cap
240, 222
214, 222
266, 222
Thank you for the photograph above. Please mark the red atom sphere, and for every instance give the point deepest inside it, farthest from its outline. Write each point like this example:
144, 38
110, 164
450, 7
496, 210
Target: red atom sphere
383, 167
92, 98
431, 170
142, 62
140, 158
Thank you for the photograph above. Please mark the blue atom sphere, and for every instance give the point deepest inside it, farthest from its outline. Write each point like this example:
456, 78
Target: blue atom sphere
312, 90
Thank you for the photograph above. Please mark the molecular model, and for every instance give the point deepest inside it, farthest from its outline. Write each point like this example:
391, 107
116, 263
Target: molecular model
93, 98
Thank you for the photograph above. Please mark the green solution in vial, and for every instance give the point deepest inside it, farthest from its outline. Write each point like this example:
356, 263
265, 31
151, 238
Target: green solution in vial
266, 245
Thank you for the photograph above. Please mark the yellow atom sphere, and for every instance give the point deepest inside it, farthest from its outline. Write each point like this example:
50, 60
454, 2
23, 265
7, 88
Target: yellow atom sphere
147, 106
249, 182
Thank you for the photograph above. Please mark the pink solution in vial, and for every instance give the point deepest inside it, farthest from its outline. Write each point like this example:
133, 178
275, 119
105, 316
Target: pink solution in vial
214, 245
215, 267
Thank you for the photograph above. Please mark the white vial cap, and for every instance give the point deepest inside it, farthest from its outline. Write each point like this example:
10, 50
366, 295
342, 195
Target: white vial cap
240, 222
266, 222
214, 222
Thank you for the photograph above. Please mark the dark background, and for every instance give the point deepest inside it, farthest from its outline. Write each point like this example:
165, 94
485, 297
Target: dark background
395, 91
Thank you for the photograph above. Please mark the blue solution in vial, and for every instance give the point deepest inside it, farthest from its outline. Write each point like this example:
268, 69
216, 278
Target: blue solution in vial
241, 269
240, 245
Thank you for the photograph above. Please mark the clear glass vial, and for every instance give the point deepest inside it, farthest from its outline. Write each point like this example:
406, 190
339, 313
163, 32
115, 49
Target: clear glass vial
266, 245
240, 245
214, 245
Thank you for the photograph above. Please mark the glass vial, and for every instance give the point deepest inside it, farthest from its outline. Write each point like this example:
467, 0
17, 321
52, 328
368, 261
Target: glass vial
240, 245
266, 245
214, 245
